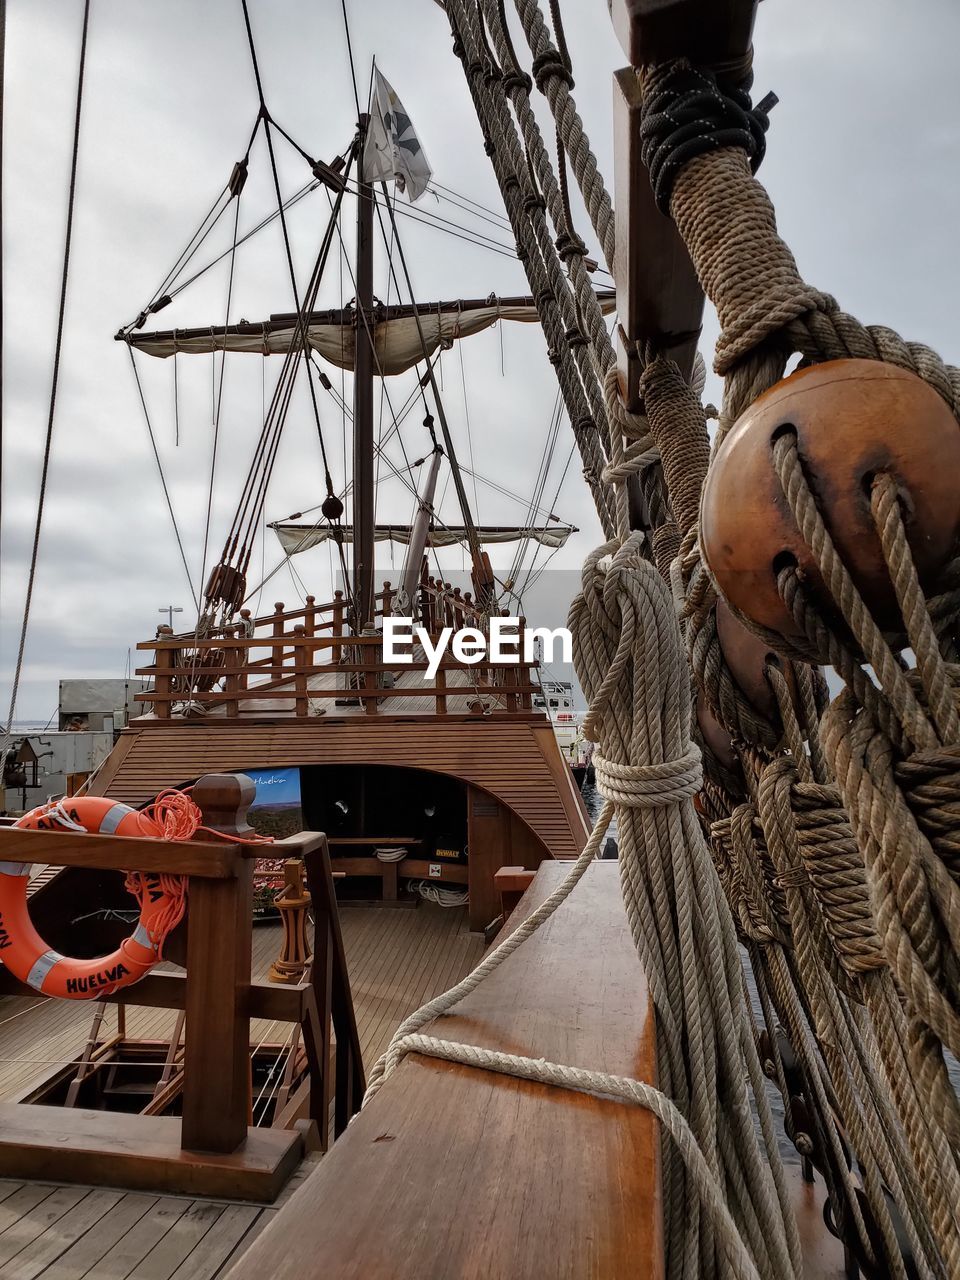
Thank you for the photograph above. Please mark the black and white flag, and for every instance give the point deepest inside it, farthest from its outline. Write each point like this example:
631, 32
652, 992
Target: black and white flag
392, 151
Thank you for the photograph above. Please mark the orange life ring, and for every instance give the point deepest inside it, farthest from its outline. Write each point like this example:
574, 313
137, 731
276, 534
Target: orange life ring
162, 901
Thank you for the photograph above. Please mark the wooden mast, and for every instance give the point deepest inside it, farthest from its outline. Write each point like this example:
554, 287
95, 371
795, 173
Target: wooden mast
364, 363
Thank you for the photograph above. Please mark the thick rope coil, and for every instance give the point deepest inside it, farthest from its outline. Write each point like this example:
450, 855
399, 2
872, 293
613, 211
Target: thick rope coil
629, 661
930, 782
677, 424
916, 900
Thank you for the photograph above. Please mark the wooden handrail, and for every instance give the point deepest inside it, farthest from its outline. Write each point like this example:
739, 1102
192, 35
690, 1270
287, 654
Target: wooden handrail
445, 664
275, 655
439, 690
203, 861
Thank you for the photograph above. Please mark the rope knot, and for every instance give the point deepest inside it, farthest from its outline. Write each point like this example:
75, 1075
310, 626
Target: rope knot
650, 786
686, 112
551, 66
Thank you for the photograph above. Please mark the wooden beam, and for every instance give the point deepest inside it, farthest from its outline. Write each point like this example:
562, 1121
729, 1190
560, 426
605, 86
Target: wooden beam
658, 295
713, 33
140, 1153
169, 991
216, 1096
512, 883
123, 853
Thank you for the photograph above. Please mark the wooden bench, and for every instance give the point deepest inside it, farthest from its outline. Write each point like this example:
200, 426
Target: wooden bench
451, 1171
390, 873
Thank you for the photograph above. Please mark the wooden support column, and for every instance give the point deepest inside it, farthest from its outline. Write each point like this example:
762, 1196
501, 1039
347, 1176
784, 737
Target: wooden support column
338, 608
302, 657
276, 650
658, 295
488, 842
216, 1093
163, 681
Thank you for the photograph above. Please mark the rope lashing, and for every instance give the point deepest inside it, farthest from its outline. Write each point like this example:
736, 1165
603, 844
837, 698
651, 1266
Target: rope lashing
748, 877
748, 272
930, 781
835, 873
687, 112
649, 786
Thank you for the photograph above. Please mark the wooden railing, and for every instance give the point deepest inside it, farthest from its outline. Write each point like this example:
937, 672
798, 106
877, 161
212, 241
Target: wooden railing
219, 999
407, 1193
278, 657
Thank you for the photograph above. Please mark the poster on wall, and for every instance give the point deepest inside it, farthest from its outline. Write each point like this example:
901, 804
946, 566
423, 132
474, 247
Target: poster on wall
276, 811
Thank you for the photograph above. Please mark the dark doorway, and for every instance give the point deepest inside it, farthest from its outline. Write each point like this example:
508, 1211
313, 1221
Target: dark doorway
381, 801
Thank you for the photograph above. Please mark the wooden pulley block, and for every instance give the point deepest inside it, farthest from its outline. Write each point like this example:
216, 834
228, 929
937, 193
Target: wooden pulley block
852, 420
748, 658
714, 735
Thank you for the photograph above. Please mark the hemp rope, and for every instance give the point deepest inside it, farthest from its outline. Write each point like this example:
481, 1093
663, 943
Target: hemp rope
535, 249
814, 888
766, 312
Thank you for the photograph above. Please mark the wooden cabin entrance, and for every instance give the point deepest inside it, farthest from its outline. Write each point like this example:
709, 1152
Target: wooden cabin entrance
402, 827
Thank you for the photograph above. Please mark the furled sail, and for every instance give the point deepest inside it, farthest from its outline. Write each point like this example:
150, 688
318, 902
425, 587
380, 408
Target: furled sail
332, 334
301, 537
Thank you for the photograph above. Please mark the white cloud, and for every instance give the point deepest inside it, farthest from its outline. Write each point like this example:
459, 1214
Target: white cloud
860, 163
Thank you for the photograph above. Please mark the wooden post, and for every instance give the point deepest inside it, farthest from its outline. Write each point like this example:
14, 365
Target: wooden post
163, 681
293, 903
441, 679
216, 1091
301, 704
276, 651
337, 648
369, 682
512, 883
387, 595
231, 682
310, 616
331, 984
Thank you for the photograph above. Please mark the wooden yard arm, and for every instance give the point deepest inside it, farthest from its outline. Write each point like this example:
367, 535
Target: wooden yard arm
455, 1171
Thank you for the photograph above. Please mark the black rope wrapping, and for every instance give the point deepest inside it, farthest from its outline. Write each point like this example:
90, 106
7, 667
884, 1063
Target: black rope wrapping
687, 112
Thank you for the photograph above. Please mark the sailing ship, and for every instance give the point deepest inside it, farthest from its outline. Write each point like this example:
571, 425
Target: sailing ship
592, 1097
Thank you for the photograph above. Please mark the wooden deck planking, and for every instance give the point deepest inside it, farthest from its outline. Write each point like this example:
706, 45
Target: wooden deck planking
397, 958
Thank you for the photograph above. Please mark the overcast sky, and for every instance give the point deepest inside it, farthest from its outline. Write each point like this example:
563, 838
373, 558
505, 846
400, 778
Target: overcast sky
862, 166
